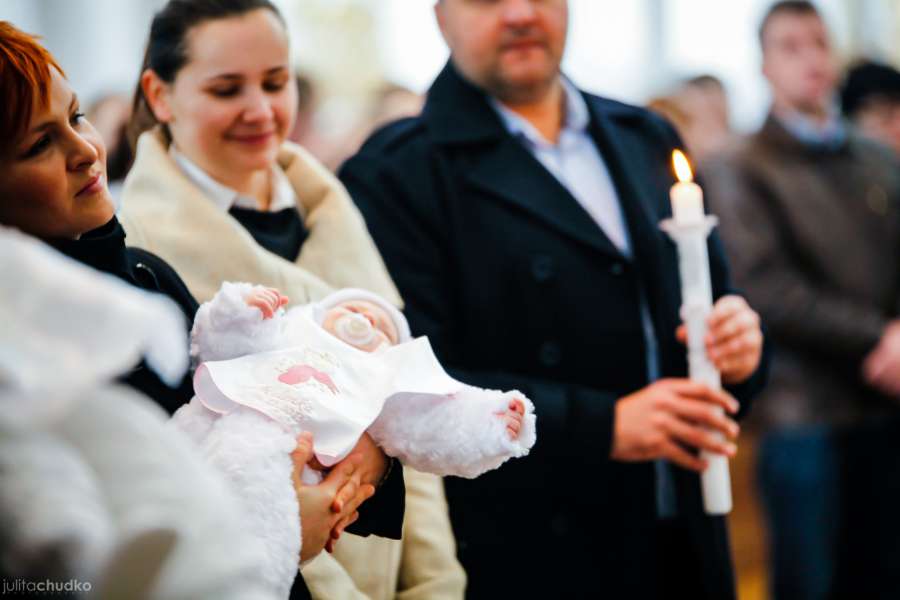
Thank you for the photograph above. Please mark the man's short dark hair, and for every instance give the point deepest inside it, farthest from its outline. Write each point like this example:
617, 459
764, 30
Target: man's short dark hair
792, 7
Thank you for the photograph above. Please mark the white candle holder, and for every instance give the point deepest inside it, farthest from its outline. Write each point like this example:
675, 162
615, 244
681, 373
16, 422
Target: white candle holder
696, 305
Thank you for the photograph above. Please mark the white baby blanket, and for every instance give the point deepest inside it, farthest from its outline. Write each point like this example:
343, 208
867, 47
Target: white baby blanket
324, 385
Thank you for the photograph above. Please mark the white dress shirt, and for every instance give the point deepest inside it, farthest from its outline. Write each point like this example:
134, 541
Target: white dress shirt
575, 161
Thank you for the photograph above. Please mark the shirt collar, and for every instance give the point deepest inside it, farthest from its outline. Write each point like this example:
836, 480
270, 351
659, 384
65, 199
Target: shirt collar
283, 195
831, 135
575, 119
225, 197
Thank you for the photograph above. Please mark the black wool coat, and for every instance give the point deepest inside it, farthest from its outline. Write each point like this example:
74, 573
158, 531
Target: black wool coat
517, 287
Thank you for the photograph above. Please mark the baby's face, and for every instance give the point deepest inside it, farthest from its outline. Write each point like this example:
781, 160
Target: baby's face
361, 324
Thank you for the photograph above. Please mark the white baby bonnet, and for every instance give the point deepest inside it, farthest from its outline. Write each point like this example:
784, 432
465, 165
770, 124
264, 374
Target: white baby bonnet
349, 294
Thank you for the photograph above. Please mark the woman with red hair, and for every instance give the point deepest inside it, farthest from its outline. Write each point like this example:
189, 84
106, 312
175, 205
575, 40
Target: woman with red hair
53, 186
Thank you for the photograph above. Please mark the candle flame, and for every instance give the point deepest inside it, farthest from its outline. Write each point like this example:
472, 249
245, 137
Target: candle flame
682, 166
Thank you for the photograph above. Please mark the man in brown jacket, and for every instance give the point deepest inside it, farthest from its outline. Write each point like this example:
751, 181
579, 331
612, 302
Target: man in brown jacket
811, 220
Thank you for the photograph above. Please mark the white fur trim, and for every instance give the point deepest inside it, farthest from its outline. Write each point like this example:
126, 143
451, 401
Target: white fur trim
459, 434
51, 502
226, 327
110, 503
253, 452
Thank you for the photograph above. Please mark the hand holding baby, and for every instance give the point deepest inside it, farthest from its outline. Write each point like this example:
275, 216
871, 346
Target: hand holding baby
329, 507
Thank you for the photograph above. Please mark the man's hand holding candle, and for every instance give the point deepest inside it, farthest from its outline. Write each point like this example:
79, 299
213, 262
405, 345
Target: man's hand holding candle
670, 415
734, 342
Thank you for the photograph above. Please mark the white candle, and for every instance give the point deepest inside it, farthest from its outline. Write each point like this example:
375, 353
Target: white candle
689, 228
687, 202
686, 196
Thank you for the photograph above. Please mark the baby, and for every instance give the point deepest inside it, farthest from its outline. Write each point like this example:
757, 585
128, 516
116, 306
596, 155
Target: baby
338, 368
368, 322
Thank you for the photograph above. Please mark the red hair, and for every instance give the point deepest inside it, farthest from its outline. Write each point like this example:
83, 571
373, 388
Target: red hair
24, 80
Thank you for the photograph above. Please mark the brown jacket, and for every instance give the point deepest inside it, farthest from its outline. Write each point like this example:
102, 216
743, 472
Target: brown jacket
814, 240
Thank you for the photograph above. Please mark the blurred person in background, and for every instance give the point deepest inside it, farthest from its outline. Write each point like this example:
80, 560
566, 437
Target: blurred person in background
388, 103
519, 217
219, 193
698, 108
306, 109
110, 115
870, 99
307, 131
810, 216
392, 102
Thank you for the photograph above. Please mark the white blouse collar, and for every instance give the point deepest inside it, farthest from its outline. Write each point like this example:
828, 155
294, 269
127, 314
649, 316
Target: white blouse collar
224, 197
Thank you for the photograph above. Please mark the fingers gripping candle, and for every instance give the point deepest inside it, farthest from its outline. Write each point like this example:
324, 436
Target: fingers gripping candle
689, 228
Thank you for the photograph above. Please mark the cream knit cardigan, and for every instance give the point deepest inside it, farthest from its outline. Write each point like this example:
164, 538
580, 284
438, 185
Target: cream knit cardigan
166, 213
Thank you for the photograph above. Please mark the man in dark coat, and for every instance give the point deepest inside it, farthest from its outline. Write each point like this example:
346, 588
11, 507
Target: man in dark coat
519, 218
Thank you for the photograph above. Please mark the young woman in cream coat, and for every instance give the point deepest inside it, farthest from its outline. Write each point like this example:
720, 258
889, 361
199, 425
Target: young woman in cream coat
218, 193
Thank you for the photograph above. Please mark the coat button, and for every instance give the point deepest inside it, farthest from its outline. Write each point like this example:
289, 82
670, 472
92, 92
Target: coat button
550, 354
617, 269
542, 268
